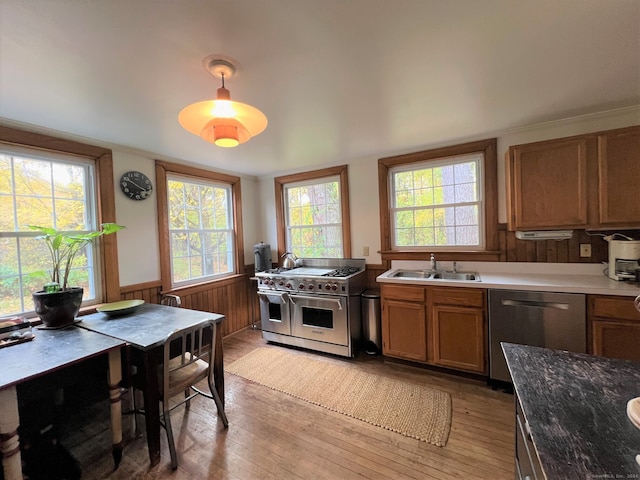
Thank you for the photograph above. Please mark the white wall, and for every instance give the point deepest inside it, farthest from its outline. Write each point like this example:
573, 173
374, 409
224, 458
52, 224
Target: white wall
138, 249
138, 244
363, 176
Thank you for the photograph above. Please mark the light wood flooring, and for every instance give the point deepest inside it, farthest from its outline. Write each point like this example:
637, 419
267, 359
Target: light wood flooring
272, 435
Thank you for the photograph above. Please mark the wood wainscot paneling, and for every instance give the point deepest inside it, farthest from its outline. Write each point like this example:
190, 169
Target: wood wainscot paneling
557, 251
372, 271
512, 249
149, 292
235, 298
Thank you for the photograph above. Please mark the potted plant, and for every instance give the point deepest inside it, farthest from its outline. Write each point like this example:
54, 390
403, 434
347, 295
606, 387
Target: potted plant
57, 304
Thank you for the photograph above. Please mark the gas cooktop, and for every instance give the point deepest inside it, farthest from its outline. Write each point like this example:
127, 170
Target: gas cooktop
314, 267
324, 276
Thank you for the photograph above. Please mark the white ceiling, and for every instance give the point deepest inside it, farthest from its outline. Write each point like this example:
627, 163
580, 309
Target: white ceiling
338, 80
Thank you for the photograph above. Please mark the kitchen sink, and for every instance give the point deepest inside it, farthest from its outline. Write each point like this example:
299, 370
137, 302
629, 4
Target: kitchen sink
471, 276
412, 274
438, 275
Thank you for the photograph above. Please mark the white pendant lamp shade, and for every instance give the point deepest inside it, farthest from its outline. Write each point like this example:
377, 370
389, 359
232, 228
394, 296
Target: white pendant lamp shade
222, 121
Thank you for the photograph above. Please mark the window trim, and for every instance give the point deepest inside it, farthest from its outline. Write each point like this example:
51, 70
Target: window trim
229, 211
430, 164
162, 169
106, 209
491, 250
280, 182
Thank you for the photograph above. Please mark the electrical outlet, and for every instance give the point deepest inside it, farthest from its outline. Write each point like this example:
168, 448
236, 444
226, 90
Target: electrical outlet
365, 251
585, 249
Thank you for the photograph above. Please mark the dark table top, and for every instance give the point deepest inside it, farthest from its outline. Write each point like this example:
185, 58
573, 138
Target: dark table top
148, 325
49, 351
575, 405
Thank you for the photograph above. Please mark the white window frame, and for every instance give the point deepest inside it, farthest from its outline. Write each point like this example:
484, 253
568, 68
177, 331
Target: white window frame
91, 223
231, 254
289, 228
479, 159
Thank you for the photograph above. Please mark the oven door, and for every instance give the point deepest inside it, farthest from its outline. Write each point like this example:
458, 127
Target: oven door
274, 312
323, 318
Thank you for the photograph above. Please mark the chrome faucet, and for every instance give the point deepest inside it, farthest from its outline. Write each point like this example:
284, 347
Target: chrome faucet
433, 263
455, 267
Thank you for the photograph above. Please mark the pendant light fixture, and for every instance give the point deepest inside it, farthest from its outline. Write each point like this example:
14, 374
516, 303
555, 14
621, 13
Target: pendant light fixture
222, 121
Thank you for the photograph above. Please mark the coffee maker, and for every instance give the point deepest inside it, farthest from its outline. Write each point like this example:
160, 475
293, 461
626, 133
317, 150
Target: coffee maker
624, 259
262, 253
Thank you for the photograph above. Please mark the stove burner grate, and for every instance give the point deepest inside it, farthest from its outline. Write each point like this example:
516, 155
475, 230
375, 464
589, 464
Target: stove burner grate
342, 272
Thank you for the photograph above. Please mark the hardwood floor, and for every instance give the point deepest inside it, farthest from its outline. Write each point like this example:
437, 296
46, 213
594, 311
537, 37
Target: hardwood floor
274, 436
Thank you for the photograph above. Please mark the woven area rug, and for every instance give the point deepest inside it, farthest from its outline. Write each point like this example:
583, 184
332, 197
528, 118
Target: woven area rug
407, 408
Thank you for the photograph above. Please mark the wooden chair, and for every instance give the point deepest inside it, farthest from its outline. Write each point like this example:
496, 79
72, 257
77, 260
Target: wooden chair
195, 348
171, 300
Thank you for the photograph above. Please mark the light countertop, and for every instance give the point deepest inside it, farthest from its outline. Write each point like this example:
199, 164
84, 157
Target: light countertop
549, 277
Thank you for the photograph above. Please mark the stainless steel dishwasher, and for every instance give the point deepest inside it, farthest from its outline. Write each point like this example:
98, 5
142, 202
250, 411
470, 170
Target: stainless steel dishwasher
541, 319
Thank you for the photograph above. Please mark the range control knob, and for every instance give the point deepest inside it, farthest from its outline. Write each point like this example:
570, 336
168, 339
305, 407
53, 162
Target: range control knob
310, 287
288, 285
281, 282
334, 287
271, 282
301, 286
327, 287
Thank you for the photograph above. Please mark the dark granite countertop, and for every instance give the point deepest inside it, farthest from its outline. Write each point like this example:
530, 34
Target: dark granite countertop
575, 405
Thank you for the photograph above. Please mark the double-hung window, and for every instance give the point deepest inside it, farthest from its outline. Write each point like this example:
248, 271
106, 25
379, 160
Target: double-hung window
441, 200
438, 203
201, 229
51, 190
200, 225
313, 214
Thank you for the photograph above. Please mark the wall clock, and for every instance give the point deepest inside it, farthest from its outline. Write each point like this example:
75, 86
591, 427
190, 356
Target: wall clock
136, 185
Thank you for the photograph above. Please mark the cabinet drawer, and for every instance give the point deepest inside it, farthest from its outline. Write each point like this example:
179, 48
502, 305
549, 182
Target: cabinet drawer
463, 297
403, 292
620, 308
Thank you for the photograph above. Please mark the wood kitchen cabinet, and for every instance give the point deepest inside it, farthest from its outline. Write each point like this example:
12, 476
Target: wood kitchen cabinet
576, 182
614, 325
547, 185
404, 322
459, 328
618, 173
443, 326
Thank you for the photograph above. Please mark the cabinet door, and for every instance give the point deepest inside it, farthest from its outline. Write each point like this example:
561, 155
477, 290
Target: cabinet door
618, 174
459, 336
547, 185
616, 339
404, 330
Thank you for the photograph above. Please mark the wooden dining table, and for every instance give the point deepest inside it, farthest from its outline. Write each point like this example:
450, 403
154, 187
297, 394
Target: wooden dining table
145, 330
52, 351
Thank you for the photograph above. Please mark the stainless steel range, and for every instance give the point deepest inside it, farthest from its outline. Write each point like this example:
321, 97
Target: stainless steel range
315, 306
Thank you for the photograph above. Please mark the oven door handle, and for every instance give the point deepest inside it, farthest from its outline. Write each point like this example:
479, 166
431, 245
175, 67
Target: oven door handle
285, 296
315, 299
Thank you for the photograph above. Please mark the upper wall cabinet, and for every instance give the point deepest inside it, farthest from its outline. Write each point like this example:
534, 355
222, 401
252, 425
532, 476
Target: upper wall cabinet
619, 177
577, 182
547, 185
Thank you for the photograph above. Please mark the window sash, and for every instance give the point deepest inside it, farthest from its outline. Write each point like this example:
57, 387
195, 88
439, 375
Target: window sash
431, 222
196, 230
315, 238
21, 253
